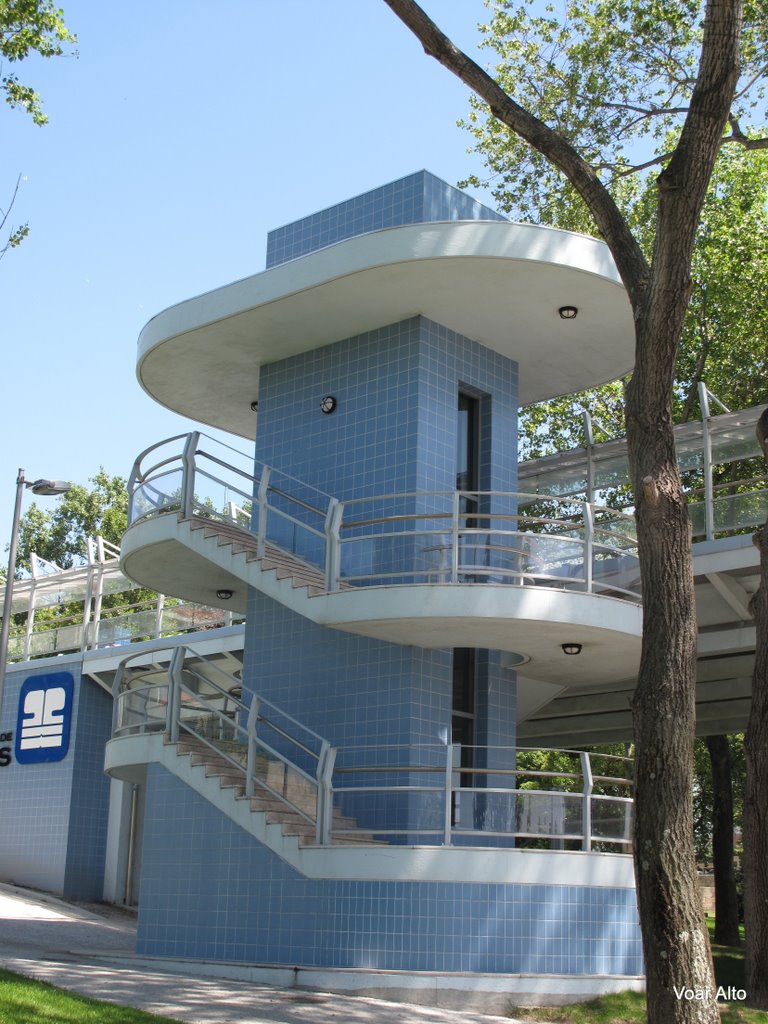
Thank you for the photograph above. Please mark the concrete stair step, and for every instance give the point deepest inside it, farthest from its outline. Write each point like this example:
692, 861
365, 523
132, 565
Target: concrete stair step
289, 788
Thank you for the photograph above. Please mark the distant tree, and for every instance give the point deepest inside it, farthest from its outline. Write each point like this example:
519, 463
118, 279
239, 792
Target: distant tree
718, 800
61, 534
26, 27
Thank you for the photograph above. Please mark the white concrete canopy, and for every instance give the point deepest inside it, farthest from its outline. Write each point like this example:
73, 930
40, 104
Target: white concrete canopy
497, 283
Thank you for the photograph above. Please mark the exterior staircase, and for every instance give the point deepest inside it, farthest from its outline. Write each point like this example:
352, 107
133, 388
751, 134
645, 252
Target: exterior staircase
245, 543
284, 798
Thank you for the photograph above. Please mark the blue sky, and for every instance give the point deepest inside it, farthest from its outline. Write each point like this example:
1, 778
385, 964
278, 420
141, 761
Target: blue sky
180, 136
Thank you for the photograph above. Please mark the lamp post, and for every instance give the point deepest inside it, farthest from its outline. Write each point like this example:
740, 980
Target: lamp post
44, 487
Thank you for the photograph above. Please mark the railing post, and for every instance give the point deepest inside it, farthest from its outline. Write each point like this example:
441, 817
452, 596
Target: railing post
589, 438
159, 606
99, 594
31, 611
188, 480
324, 810
132, 479
455, 512
174, 695
261, 504
448, 791
116, 686
250, 763
706, 440
586, 810
589, 540
333, 519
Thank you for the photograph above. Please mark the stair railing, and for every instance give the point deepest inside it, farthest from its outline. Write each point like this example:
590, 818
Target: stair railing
185, 702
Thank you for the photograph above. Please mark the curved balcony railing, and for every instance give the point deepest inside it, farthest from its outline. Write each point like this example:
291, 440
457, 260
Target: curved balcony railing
419, 794
450, 537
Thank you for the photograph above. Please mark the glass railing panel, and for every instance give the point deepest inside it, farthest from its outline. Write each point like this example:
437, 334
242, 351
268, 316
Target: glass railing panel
295, 530
620, 574
409, 555
611, 819
127, 628
734, 513
544, 815
184, 618
161, 493
553, 558
142, 709
216, 498
276, 777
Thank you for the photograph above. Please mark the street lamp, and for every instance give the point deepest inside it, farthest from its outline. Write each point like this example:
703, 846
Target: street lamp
42, 487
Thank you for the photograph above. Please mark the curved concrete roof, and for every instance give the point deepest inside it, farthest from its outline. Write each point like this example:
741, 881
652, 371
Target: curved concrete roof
498, 283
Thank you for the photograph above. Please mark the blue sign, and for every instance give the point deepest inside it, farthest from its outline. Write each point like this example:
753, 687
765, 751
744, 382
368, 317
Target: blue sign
45, 715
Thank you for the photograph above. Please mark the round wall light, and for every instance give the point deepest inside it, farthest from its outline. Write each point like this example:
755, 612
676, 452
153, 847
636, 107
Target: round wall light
567, 312
327, 404
571, 648
224, 594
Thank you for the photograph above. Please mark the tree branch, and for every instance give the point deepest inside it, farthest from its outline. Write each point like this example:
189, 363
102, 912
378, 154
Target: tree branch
645, 111
6, 213
738, 136
627, 254
684, 181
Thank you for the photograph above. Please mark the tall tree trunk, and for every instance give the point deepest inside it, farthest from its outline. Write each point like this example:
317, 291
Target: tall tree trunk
726, 898
756, 803
675, 940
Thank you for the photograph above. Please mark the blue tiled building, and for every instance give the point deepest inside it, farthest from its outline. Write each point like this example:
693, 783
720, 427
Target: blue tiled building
395, 580
338, 794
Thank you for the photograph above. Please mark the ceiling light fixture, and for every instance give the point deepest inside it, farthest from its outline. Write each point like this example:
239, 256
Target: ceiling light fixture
224, 594
571, 648
567, 312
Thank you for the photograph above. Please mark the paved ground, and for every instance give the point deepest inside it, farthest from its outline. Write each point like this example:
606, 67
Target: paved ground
70, 946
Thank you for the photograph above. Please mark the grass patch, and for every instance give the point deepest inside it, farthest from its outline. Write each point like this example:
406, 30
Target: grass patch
25, 1001
622, 1008
629, 1007
617, 1008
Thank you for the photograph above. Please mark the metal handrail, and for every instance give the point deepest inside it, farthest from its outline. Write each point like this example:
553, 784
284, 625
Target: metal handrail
279, 518
177, 718
170, 704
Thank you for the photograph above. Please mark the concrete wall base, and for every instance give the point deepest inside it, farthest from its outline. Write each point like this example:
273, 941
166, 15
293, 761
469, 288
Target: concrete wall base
489, 993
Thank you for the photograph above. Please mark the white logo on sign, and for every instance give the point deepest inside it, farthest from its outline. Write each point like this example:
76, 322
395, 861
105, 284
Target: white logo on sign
43, 725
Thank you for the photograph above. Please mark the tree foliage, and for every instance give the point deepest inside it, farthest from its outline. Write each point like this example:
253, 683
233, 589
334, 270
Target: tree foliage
26, 27
724, 341
612, 77
60, 534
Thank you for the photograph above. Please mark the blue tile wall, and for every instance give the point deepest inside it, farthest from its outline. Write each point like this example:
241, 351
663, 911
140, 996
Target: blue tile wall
89, 805
55, 815
415, 199
34, 802
211, 891
394, 430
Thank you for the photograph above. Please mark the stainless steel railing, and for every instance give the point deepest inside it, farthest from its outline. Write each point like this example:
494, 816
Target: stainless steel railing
393, 539
417, 794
